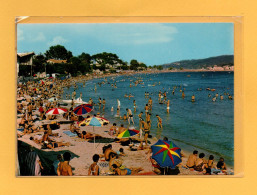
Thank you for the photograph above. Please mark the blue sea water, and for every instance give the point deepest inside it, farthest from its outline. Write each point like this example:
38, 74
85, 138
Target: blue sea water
203, 125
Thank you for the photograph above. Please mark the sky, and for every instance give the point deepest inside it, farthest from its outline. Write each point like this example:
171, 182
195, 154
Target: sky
150, 43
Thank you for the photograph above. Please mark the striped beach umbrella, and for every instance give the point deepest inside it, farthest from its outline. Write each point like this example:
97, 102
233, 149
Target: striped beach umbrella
83, 109
56, 111
128, 133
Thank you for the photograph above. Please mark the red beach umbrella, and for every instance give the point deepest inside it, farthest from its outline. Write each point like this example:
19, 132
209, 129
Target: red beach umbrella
56, 111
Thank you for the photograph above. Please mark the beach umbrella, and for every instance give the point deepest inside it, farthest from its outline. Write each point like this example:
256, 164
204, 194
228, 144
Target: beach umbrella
128, 133
96, 120
56, 111
166, 154
92, 121
83, 109
42, 82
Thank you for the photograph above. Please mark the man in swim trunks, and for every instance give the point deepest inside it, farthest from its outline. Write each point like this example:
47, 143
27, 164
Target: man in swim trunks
150, 103
94, 168
146, 130
129, 116
148, 120
104, 102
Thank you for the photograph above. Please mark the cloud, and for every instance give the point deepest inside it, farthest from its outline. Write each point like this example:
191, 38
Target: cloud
20, 35
137, 33
40, 37
58, 40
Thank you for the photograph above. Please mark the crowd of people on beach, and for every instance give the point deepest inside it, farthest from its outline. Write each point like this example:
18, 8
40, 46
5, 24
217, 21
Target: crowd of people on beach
35, 98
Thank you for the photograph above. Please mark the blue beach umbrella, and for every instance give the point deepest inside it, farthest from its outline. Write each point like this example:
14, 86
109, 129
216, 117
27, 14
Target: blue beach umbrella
83, 109
166, 154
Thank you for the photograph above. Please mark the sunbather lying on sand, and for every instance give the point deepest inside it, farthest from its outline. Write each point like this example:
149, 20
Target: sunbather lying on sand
87, 136
126, 171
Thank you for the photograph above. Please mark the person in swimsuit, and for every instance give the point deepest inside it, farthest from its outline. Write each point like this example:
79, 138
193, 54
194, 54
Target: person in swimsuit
104, 102
193, 98
168, 106
148, 120
192, 160
100, 103
210, 163
129, 116
159, 125
125, 171
146, 131
200, 164
107, 152
94, 168
135, 106
146, 109
64, 169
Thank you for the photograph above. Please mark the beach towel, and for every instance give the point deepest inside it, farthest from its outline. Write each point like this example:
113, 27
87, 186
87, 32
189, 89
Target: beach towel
69, 133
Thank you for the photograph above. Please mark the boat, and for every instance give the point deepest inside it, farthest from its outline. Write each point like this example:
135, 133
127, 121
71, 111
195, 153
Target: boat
76, 101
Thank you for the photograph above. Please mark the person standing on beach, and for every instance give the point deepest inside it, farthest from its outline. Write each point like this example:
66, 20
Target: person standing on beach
159, 125
146, 131
64, 169
129, 116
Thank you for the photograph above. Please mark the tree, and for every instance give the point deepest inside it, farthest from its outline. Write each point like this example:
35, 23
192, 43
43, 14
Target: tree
134, 64
39, 63
58, 52
170, 68
85, 58
159, 67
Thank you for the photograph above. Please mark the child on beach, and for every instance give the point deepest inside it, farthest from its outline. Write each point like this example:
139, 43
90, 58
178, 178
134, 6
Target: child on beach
94, 168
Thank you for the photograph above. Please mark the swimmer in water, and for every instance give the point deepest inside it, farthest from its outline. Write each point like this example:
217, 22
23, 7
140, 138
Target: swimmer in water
168, 106
221, 97
104, 102
214, 99
135, 106
193, 98
183, 94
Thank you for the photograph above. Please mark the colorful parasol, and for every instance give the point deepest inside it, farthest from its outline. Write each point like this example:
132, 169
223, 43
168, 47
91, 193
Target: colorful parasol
56, 111
128, 133
94, 121
83, 109
166, 154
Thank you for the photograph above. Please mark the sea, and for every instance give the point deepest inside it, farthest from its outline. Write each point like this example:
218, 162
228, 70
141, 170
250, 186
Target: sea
203, 125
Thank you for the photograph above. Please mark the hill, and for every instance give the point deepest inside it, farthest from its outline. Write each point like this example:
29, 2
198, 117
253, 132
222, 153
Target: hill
202, 63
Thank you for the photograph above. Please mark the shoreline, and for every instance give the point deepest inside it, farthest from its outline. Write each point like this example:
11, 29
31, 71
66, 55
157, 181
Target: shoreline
75, 162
